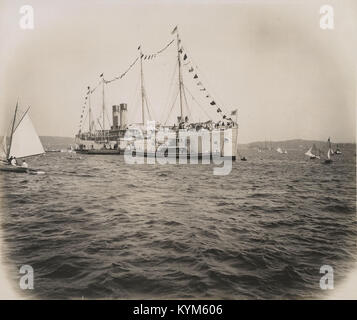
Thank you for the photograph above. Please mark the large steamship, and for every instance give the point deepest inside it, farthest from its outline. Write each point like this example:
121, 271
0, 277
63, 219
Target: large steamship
183, 138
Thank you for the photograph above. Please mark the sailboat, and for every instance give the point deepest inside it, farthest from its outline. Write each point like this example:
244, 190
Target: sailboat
338, 151
279, 150
329, 152
23, 142
312, 153
328, 160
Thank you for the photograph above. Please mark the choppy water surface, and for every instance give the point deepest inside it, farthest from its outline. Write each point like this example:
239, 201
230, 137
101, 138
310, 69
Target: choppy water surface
95, 227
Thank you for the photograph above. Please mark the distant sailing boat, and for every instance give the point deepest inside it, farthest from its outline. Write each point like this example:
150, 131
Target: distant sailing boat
329, 152
23, 142
338, 151
312, 153
279, 150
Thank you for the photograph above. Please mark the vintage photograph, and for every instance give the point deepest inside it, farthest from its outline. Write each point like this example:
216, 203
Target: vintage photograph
168, 149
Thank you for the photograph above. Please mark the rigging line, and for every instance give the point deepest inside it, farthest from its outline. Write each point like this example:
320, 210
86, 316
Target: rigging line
106, 113
171, 85
172, 107
133, 100
147, 108
146, 98
84, 119
124, 73
166, 46
99, 124
194, 99
187, 107
95, 88
147, 103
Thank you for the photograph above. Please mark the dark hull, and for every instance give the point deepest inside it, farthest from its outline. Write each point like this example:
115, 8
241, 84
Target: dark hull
99, 152
10, 168
17, 169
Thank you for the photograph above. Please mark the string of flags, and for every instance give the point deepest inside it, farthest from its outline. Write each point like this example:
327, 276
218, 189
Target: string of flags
202, 88
153, 55
101, 76
186, 62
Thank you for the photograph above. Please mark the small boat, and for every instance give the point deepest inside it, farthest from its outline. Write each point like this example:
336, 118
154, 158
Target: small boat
328, 160
23, 142
329, 152
338, 151
243, 158
312, 153
279, 150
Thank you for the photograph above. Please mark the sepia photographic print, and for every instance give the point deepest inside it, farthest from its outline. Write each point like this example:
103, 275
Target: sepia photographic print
178, 150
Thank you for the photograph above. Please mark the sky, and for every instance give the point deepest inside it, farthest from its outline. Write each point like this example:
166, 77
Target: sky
288, 78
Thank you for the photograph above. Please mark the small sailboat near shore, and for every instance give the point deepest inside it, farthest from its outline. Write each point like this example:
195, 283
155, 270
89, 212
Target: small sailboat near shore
23, 142
280, 150
329, 153
338, 150
328, 160
313, 153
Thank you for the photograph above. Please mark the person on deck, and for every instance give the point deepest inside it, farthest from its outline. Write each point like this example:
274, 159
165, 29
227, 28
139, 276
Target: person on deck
13, 161
24, 164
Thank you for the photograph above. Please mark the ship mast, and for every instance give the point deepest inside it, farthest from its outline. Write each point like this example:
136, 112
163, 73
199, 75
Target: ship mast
12, 131
142, 88
179, 74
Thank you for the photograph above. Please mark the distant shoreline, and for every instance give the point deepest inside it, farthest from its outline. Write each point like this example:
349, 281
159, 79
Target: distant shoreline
252, 143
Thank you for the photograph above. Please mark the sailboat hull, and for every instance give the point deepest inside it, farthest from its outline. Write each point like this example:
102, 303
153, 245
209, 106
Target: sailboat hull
10, 168
18, 169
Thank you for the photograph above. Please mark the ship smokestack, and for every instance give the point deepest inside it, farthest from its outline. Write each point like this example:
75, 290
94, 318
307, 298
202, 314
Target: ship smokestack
123, 112
116, 110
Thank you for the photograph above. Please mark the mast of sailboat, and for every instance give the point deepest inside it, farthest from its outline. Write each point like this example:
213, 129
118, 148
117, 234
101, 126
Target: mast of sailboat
179, 72
142, 87
12, 131
89, 112
103, 106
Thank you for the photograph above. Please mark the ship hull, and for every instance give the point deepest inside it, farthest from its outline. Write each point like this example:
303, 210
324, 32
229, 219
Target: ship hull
202, 145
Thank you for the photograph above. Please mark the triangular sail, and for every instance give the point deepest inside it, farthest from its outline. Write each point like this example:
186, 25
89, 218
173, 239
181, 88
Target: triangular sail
3, 149
309, 153
25, 141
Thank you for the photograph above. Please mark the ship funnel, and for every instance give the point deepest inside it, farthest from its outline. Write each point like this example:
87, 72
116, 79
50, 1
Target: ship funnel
116, 114
123, 113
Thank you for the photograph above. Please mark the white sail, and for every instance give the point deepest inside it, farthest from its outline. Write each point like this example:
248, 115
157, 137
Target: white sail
309, 153
279, 150
25, 141
328, 154
3, 149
